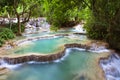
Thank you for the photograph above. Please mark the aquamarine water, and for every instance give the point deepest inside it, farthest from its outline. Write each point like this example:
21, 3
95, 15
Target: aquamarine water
78, 65
39, 46
46, 46
68, 69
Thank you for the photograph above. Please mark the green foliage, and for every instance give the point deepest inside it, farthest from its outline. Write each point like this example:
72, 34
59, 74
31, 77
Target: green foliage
84, 14
20, 9
102, 17
95, 29
14, 27
53, 28
5, 34
104, 22
60, 12
37, 12
1, 41
0, 44
113, 37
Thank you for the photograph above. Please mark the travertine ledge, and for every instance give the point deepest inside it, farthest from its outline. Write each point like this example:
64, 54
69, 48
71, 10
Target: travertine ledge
41, 57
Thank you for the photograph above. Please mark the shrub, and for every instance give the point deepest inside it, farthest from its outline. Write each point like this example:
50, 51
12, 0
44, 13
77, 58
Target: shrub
54, 28
96, 29
5, 34
1, 41
14, 27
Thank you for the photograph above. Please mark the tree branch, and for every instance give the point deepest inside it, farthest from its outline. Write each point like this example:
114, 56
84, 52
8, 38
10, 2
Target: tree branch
87, 4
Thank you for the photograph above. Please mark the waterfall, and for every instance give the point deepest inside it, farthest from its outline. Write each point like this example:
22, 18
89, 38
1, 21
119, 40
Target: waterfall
111, 67
9, 66
9, 62
79, 28
36, 25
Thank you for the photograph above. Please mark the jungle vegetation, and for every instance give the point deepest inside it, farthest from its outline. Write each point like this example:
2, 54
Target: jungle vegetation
101, 17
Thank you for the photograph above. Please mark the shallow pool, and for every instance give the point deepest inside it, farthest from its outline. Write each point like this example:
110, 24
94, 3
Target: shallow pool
47, 46
78, 65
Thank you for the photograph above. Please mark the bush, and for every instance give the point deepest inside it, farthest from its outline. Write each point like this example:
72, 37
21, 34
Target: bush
1, 41
113, 38
14, 27
54, 28
5, 34
96, 29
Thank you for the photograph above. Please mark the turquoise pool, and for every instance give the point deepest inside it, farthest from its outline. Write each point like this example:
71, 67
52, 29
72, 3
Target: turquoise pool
75, 66
47, 46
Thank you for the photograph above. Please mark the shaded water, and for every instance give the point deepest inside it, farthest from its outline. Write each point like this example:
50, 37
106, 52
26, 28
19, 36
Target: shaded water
76, 66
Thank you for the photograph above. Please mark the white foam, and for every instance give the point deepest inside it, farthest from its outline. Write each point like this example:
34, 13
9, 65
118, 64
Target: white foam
25, 43
9, 66
99, 51
35, 62
79, 28
80, 49
67, 51
111, 67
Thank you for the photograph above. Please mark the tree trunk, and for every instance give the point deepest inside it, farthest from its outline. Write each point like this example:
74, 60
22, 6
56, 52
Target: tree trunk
26, 19
19, 25
18, 17
10, 21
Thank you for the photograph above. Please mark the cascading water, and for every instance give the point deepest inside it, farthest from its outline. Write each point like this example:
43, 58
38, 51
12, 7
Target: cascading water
49, 45
76, 64
13, 66
111, 67
36, 25
6, 65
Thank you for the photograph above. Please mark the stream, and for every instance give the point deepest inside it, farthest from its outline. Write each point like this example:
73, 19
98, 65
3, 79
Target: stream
97, 63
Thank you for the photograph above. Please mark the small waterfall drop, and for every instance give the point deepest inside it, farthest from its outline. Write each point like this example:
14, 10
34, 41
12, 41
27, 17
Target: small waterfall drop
36, 25
4, 64
111, 67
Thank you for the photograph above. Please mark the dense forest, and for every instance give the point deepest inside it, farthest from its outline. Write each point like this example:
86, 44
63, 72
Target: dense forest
101, 17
